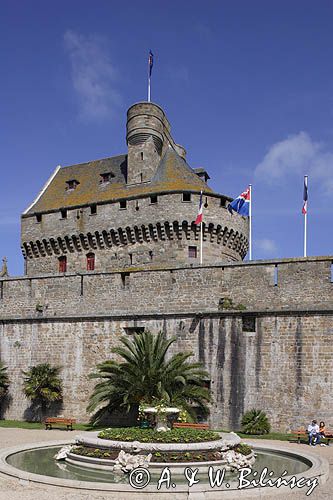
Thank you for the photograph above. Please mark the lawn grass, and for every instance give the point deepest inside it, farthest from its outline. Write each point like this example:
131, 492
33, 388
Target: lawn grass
278, 436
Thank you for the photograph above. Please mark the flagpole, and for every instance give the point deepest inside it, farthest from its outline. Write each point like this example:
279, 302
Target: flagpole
305, 218
250, 223
148, 83
201, 243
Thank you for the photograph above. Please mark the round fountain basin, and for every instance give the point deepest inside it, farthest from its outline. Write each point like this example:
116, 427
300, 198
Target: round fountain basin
36, 464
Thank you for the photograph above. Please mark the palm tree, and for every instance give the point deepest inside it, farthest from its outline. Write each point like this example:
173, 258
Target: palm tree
4, 380
42, 385
145, 375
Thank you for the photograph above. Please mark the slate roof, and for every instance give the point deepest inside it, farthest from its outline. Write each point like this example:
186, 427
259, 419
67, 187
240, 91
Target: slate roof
172, 174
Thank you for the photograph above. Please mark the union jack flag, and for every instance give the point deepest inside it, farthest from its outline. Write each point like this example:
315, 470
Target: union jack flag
241, 204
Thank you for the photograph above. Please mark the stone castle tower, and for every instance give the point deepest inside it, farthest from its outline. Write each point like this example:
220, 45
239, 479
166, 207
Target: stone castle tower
111, 249
131, 210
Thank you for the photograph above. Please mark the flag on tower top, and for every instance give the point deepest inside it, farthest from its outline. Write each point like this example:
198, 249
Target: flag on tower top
305, 196
150, 62
198, 220
241, 204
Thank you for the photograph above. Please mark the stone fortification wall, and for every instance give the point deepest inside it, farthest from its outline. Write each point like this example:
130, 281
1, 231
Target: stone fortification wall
284, 365
161, 233
294, 284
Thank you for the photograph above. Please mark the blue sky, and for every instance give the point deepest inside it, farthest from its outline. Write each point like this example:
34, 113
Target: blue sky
247, 87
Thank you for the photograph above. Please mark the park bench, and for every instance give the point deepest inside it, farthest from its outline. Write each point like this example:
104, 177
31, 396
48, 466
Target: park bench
303, 434
181, 425
68, 422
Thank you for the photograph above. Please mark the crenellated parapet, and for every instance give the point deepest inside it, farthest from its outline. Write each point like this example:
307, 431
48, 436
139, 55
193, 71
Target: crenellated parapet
157, 243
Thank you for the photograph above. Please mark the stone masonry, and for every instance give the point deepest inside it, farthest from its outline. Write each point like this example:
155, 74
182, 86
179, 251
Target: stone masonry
263, 329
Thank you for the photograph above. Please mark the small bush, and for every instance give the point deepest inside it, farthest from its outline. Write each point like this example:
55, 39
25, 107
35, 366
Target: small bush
255, 422
244, 449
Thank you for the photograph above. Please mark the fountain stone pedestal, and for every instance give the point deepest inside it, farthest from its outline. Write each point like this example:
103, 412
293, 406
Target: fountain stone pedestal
162, 424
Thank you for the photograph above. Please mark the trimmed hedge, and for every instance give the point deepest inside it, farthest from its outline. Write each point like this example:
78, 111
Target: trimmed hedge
152, 436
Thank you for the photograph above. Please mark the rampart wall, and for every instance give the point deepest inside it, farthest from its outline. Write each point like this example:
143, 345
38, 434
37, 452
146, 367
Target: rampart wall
263, 330
294, 284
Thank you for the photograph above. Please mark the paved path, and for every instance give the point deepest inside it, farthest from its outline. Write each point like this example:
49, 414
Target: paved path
12, 489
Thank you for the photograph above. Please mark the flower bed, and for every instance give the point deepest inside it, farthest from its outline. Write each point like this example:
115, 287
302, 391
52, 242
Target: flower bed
152, 436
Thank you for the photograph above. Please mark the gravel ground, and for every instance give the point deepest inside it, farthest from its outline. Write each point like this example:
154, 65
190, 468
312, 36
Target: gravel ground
13, 489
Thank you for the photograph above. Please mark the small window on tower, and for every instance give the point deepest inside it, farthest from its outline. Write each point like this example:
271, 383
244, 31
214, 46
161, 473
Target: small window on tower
90, 262
187, 197
153, 199
123, 204
62, 264
141, 155
106, 177
63, 213
93, 209
192, 252
39, 218
72, 184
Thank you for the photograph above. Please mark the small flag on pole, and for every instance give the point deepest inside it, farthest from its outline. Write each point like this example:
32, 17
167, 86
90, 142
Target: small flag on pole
150, 62
198, 220
305, 196
305, 212
241, 204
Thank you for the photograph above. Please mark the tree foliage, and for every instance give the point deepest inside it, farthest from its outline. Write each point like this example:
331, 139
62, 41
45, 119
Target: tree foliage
145, 375
4, 380
41, 384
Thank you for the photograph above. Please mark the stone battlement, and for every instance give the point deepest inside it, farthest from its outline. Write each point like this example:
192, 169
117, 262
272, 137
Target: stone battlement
287, 284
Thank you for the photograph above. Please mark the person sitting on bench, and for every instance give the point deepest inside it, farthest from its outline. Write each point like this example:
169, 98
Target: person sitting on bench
314, 434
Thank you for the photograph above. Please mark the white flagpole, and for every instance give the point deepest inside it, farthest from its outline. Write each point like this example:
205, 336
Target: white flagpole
148, 84
305, 216
250, 223
201, 243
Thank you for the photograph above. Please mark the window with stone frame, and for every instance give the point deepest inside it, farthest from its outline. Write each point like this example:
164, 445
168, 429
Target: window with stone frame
90, 261
192, 252
62, 262
186, 197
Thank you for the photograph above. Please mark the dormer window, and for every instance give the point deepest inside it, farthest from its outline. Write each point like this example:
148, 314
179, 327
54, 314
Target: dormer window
106, 177
72, 184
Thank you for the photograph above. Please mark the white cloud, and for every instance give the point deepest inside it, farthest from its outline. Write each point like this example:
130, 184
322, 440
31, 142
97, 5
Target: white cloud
93, 75
299, 154
265, 245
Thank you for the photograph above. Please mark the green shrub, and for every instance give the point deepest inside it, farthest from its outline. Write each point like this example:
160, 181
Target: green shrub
244, 449
255, 422
152, 436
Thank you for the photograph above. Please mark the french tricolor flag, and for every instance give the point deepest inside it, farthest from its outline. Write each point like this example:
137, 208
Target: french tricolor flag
198, 220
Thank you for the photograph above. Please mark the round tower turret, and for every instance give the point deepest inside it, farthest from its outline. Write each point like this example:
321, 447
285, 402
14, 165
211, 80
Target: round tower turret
145, 120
